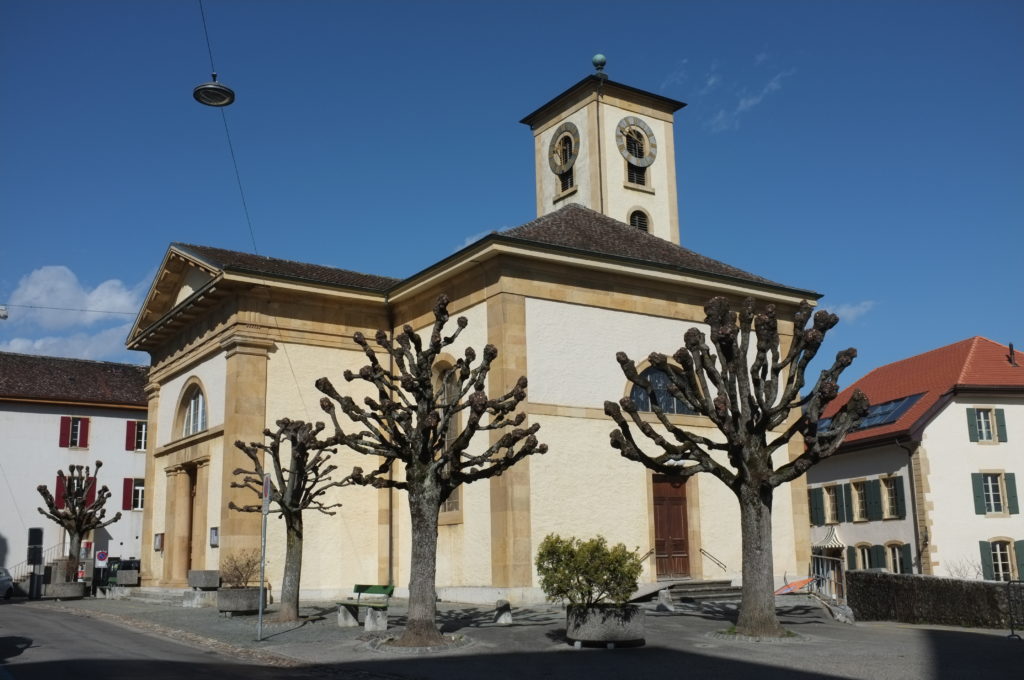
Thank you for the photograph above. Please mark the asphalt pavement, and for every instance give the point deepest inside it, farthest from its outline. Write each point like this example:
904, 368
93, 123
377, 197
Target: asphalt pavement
691, 642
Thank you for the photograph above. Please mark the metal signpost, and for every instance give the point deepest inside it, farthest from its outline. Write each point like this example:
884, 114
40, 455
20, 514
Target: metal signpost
263, 553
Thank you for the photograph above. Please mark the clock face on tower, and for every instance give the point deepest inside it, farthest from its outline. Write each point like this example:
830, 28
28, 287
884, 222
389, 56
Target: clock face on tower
564, 148
636, 142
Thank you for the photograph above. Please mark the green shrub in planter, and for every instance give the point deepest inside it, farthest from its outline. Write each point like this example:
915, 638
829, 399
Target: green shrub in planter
587, 572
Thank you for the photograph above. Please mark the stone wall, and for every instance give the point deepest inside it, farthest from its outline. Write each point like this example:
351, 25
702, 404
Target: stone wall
910, 598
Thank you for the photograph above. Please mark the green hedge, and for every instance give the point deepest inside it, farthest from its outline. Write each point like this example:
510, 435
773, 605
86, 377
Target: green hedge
910, 598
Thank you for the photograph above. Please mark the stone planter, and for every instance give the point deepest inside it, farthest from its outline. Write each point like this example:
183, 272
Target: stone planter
65, 591
605, 624
238, 600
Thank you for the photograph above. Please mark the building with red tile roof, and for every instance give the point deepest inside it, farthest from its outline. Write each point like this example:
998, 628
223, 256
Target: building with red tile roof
928, 481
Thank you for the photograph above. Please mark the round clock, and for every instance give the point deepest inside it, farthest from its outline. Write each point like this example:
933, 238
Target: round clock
561, 158
642, 141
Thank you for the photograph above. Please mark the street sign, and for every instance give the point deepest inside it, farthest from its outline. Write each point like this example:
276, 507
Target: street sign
101, 559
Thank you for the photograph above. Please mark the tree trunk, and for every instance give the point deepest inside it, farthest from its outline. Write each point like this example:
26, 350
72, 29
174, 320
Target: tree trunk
289, 606
421, 629
757, 610
74, 549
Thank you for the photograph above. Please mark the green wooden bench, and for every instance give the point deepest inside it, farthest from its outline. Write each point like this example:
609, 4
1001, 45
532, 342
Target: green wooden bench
353, 605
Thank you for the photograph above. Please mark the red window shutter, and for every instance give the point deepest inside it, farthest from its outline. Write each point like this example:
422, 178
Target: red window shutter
127, 487
65, 431
90, 497
59, 496
129, 438
83, 438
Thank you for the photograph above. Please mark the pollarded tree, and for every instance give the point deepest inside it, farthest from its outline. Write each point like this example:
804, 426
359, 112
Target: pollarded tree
298, 483
424, 418
78, 507
755, 401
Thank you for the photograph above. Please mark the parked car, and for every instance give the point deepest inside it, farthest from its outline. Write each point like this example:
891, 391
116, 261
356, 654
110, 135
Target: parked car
6, 583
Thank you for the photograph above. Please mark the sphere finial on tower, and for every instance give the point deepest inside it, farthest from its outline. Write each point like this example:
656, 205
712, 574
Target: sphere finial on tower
599, 61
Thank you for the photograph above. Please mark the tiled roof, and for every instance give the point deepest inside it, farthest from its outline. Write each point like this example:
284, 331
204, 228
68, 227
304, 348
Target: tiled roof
974, 362
587, 231
272, 266
24, 376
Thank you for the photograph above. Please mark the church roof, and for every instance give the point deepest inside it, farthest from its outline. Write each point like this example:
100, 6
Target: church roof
583, 230
230, 260
919, 383
43, 378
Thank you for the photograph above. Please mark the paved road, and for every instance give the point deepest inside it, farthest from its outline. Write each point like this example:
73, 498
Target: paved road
37, 644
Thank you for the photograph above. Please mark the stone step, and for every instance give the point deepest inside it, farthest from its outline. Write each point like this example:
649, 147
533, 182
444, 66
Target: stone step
170, 597
709, 596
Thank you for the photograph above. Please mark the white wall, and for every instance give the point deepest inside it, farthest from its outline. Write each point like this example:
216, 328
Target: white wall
886, 460
952, 458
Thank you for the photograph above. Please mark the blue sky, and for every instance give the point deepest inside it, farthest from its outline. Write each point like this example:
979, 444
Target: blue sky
872, 151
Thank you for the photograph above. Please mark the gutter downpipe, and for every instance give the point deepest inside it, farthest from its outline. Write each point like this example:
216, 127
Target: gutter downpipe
913, 503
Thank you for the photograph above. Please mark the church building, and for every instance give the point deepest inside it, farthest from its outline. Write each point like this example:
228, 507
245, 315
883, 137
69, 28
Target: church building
237, 341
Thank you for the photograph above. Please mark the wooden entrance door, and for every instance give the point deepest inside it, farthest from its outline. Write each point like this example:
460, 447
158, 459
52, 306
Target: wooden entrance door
671, 549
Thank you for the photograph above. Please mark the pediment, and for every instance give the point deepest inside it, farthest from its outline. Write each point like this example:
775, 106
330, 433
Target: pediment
179, 277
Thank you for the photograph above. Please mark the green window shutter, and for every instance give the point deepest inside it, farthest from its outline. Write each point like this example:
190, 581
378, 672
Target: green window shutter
877, 556
851, 557
817, 504
1001, 424
972, 425
848, 502
874, 491
987, 570
841, 506
979, 493
901, 500
906, 558
1018, 548
1011, 493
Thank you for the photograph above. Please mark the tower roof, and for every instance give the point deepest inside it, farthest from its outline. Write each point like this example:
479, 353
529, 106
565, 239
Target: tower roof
590, 84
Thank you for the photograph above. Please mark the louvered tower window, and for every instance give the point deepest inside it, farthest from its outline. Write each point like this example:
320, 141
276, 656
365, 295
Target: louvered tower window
638, 219
566, 179
636, 145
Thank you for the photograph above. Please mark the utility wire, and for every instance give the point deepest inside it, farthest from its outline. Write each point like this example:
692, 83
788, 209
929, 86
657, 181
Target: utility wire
213, 69
70, 309
238, 178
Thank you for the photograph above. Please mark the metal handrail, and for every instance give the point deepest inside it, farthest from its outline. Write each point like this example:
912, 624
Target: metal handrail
21, 570
714, 559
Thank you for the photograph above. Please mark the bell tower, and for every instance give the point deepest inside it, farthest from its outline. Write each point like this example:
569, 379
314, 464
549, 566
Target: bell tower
611, 148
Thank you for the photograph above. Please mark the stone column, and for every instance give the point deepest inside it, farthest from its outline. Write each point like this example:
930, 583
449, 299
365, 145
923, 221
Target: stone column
149, 574
245, 418
511, 540
200, 522
179, 521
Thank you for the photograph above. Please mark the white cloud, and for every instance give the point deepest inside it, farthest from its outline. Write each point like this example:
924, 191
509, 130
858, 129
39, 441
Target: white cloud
677, 76
852, 312
53, 298
760, 58
729, 118
107, 345
473, 238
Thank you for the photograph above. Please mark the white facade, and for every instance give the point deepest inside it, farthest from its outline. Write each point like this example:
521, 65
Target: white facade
31, 457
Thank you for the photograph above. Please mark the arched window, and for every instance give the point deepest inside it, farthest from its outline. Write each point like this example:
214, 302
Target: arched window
448, 384
193, 411
660, 383
566, 179
638, 219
